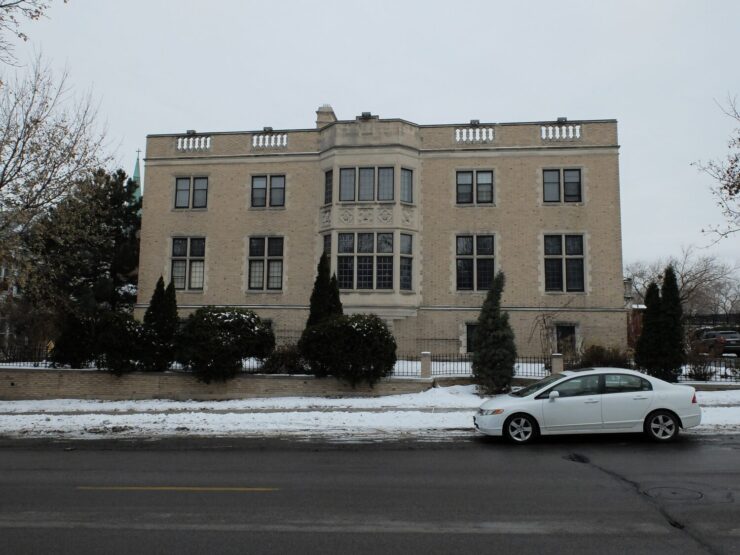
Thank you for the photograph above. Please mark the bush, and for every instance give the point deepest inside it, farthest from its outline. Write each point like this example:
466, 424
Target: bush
610, 357
286, 359
354, 348
119, 339
700, 365
213, 342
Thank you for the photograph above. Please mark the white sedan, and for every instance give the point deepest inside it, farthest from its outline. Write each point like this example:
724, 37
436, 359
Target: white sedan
593, 400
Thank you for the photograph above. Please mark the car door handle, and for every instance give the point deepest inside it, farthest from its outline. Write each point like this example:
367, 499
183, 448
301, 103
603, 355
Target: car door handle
639, 398
591, 402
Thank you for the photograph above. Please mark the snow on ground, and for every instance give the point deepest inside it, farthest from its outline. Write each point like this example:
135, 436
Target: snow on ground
439, 413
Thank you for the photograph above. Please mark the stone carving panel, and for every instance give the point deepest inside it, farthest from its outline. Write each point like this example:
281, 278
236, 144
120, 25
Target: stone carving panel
326, 217
365, 216
385, 216
407, 216
346, 216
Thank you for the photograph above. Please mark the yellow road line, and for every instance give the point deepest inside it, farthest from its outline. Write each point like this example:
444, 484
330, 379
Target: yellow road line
196, 489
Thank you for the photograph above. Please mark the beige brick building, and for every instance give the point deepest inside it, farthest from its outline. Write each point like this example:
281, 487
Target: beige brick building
416, 218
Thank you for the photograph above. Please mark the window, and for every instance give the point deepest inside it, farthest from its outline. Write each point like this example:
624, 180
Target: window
327, 245
385, 183
265, 263
470, 331
406, 262
564, 266
365, 184
199, 188
346, 184
407, 185
571, 189
365, 260
583, 385
474, 262
625, 383
188, 262
565, 339
328, 186
259, 190
475, 186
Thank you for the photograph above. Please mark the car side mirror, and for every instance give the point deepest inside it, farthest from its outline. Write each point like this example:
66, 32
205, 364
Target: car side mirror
553, 395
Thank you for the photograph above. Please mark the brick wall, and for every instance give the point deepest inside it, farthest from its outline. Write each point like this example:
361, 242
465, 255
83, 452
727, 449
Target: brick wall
26, 384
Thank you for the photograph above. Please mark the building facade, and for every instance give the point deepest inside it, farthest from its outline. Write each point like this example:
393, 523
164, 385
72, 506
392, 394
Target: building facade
416, 219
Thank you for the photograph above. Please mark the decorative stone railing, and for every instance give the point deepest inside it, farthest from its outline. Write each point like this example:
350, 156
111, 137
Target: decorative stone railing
193, 143
568, 132
470, 135
270, 140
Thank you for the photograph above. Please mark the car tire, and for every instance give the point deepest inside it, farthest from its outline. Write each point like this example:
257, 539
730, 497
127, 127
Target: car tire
521, 429
662, 426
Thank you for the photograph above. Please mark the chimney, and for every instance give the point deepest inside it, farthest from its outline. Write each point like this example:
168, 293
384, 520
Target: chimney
325, 116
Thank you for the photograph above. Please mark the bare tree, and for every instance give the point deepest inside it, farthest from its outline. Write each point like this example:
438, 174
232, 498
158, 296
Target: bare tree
726, 176
48, 140
12, 12
700, 278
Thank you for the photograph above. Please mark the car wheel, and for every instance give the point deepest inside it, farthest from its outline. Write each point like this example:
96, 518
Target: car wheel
520, 429
662, 426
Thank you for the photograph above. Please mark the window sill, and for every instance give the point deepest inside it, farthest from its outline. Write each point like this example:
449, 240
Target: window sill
268, 208
473, 205
190, 291
190, 209
368, 291
562, 203
578, 293
366, 203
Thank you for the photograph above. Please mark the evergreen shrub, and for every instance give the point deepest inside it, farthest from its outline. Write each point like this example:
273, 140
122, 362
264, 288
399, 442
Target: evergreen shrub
160, 327
119, 339
75, 346
357, 348
494, 351
286, 359
213, 341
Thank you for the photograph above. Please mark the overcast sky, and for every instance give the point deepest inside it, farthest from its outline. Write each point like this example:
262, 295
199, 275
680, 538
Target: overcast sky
659, 67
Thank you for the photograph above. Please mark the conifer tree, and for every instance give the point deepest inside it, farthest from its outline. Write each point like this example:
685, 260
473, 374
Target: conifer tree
325, 301
648, 353
494, 353
160, 326
335, 303
674, 353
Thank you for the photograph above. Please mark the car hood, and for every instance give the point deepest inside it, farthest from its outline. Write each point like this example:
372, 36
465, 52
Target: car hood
502, 401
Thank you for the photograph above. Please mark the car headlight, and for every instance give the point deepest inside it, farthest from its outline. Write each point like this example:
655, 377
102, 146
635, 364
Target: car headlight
490, 412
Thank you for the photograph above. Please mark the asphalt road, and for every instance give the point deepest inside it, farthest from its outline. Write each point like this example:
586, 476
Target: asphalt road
607, 495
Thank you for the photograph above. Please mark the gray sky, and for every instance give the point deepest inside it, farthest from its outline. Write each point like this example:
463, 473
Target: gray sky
657, 66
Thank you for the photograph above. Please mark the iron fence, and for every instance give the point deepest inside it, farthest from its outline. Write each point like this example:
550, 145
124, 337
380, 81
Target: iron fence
24, 356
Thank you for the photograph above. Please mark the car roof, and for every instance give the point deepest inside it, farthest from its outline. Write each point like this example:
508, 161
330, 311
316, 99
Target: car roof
603, 370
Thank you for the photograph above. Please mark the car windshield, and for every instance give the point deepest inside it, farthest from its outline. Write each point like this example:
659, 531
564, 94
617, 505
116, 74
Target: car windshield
729, 334
523, 392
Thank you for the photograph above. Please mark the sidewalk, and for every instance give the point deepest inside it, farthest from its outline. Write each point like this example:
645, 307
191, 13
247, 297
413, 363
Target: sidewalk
440, 413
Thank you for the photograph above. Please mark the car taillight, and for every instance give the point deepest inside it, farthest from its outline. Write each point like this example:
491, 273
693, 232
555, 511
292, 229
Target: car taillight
693, 399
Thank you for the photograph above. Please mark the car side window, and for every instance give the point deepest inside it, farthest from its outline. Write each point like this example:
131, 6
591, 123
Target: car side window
583, 385
625, 383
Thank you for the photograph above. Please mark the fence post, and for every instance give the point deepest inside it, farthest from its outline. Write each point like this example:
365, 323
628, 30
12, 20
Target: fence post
426, 364
556, 362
